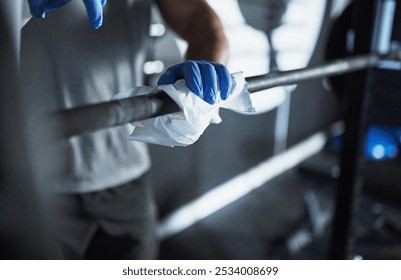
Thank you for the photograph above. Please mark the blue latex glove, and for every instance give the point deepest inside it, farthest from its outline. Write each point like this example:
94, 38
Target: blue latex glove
94, 8
202, 77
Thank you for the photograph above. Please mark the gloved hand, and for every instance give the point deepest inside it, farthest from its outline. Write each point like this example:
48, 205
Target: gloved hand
94, 8
201, 77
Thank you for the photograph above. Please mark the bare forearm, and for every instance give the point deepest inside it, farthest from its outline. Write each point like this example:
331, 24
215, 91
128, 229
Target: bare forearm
199, 25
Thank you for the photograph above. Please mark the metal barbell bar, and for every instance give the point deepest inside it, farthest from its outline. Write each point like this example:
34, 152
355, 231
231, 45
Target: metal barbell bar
89, 118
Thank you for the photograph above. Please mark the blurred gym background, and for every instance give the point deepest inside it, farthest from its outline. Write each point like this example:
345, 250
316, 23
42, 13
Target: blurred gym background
288, 215
256, 186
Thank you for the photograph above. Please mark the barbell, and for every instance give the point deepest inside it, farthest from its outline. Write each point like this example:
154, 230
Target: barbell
89, 118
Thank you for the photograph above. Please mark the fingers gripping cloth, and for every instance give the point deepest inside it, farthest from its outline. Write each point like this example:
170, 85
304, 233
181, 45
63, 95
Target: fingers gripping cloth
185, 127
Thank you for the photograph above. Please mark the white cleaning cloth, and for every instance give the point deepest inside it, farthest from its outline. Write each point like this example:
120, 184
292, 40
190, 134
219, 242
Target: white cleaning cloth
185, 127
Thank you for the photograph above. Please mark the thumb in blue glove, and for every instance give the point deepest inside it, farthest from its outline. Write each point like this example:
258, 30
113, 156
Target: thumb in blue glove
94, 8
202, 77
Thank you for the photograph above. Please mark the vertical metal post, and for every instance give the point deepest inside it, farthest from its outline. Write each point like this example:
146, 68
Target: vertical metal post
19, 215
367, 19
283, 110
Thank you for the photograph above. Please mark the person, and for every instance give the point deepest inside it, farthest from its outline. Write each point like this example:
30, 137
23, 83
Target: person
103, 198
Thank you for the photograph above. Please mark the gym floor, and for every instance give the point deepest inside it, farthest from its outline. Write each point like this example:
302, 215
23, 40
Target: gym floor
289, 217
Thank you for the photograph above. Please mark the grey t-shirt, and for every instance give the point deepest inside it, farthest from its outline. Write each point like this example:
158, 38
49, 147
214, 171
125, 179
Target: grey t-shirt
79, 65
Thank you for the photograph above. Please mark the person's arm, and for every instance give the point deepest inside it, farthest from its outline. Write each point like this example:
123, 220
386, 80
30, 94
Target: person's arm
197, 23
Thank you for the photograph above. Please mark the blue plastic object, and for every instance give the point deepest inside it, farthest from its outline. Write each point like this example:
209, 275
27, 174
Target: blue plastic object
94, 8
397, 133
202, 77
381, 143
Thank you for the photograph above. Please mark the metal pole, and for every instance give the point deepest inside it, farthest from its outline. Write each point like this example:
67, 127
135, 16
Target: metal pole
338, 67
90, 118
365, 22
20, 218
